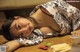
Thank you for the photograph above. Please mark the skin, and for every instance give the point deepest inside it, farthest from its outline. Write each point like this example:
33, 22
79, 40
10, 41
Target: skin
27, 27
76, 33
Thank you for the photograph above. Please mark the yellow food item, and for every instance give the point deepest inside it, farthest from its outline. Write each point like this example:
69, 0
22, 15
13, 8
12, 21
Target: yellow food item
61, 47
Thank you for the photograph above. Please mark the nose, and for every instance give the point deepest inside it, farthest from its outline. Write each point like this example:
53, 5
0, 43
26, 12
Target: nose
25, 29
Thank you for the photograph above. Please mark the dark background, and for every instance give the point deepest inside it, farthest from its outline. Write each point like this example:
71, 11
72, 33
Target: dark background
25, 12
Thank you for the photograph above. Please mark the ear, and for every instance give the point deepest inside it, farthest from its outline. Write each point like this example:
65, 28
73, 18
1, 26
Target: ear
17, 17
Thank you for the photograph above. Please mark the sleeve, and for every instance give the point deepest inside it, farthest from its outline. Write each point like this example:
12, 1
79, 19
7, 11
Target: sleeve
75, 16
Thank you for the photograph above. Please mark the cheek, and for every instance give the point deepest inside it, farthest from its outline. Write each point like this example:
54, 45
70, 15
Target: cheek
15, 33
28, 32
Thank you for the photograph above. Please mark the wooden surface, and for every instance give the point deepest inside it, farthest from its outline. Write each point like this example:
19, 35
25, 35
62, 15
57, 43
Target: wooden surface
35, 48
54, 40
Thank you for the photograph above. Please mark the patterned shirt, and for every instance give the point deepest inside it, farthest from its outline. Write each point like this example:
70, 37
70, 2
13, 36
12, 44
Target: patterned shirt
66, 16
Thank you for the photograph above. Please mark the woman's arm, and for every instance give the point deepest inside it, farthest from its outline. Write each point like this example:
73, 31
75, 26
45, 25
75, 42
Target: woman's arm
12, 45
46, 30
2, 39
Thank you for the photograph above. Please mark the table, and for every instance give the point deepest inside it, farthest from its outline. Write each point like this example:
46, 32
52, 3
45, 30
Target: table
54, 40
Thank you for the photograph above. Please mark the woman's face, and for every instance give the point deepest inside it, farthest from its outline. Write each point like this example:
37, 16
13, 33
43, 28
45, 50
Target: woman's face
21, 27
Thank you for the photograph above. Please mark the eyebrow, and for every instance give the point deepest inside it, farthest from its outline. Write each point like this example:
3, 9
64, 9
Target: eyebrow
17, 25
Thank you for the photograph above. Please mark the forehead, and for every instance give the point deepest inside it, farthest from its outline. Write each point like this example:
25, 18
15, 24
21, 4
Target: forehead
22, 19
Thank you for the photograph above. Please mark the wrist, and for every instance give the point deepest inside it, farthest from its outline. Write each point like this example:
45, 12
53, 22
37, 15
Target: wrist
18, 42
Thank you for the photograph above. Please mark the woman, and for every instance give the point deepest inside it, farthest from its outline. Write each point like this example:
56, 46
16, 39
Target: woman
53, 18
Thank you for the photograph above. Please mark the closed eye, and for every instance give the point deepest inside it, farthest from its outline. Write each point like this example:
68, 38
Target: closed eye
19, 27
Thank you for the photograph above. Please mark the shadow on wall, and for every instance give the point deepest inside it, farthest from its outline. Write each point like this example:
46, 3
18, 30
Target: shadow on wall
18, 12
75, 3
25, 12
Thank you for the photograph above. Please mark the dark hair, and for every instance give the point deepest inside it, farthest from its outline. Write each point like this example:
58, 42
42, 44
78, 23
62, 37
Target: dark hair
6, 28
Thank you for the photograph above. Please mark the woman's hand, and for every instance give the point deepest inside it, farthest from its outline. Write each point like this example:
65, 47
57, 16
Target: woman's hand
12, 45
76, 33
